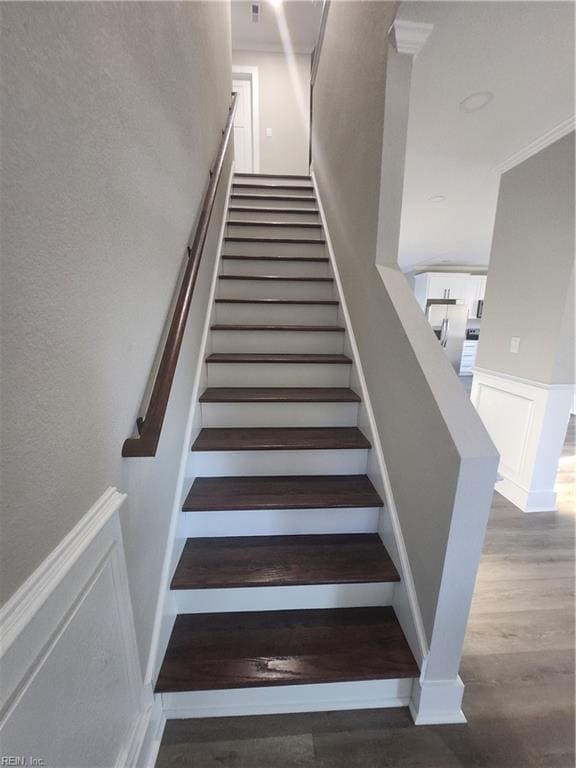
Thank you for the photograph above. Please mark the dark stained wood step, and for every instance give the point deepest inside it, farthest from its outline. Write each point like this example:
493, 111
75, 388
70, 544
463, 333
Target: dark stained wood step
287, 198
281, 492
239, 650
270, 176
280, 439
280, 561
303, 328
308, 358
259, 209
279, 395
248, 223
279, 278
295, 240
302, 259
325, 302
273, 185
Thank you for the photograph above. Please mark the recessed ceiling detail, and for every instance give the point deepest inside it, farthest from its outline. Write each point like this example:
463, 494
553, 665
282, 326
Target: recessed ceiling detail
476, 101
437, 198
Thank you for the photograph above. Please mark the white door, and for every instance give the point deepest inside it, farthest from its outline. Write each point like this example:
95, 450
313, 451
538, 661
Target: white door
243, 150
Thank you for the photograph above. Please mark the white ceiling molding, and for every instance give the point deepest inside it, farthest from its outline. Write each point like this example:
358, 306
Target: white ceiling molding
537, 144
409, 36
271, 48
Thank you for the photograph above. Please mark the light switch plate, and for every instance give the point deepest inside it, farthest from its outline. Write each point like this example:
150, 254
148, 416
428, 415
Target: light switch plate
269, 133
515, 344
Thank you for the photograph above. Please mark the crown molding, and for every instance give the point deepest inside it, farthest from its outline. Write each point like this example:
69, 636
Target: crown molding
537, 144
409, 36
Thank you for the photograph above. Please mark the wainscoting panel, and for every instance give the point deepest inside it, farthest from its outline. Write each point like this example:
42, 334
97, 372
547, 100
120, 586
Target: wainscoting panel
72, 692
527, 421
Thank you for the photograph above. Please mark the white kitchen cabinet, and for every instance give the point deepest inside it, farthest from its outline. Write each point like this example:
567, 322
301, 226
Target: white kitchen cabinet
440, 285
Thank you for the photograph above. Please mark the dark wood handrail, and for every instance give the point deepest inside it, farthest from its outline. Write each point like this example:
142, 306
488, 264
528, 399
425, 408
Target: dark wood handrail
150, 427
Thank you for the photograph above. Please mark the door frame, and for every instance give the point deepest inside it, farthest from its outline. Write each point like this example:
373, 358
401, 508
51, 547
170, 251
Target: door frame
252, 73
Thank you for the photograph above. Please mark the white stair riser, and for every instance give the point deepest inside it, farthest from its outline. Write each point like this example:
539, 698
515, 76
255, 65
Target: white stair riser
240, 248
253, 463
245, 230
322, 697
306, 268
277, 314
275, 289
277, 375
308, 596
279, 522
266, 202
277, 187
279, 414
277, 341
279, 215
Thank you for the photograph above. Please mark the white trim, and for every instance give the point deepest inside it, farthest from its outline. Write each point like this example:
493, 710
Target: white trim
242, 69
537, 144
415, 632
150, 737
163, 619
437, 702
409, 36
520, 380
271, 48
282, 699
17, 612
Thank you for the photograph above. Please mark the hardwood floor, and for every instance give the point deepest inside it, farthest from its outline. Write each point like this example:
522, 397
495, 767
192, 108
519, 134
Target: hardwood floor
518, 667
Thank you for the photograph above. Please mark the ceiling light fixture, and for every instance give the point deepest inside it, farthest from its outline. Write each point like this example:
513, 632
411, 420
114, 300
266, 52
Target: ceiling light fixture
437, 199
476, 101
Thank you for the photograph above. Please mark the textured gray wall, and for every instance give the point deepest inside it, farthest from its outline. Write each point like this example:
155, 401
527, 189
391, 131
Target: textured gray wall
111, 117
424, 435
530, 288
284, 86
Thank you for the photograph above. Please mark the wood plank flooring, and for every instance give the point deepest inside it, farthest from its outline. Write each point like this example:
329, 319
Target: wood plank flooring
518, 668
280, 439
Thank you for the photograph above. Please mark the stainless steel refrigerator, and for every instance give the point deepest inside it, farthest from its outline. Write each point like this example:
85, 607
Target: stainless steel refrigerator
448, 320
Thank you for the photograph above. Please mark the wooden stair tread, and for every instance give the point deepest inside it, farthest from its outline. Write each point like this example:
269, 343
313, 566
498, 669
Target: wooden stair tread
325, 302
260, 223
281, 492
279, 395
269, 561
303, 328
311, 259
256, 239
239, 650
274, 185
261, 209
262, 196
271, 176
280, 439
271, 357
279, 278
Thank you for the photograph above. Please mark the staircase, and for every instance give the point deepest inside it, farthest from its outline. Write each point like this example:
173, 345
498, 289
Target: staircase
283, 589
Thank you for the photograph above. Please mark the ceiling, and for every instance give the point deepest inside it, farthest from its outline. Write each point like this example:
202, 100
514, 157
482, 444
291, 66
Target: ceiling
523, 52
302, 19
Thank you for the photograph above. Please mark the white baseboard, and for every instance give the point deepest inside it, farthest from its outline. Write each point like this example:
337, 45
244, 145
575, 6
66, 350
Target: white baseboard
324, 697
527, 421
72, 690
149, 743
437, 702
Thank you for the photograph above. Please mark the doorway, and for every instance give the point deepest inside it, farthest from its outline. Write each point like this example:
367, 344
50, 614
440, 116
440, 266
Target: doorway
246, 119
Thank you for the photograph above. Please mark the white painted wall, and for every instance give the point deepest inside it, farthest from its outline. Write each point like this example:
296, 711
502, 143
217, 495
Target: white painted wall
111, 117
530, 288
284, 97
